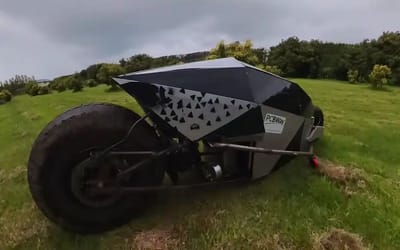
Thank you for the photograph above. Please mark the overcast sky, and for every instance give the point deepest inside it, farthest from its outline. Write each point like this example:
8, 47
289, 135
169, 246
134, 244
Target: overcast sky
48, 38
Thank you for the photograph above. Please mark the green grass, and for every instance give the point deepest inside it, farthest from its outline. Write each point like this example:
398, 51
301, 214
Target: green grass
294, 203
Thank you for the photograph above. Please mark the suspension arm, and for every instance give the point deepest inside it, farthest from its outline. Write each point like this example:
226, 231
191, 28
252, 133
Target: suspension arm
152, 157
260, 150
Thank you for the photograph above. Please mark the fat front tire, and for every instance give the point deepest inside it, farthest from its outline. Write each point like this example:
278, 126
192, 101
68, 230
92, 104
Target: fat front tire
65, 143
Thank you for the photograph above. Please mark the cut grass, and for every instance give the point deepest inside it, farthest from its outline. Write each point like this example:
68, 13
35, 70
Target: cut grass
285, 210
338, 239
157, 239
350, 179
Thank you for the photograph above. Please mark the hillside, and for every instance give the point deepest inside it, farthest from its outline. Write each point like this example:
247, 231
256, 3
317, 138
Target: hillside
291, 208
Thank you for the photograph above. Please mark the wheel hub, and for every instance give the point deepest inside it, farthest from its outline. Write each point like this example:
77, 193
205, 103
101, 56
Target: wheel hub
87, 177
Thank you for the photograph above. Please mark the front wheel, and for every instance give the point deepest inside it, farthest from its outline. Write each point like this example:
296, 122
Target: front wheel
58, 182
318, 116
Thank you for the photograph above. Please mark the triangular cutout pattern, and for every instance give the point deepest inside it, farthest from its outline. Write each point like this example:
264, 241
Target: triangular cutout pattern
196, 114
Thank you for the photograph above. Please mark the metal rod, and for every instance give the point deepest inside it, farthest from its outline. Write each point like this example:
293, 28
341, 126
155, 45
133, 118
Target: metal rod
132, 152
153, 157
166, 188
259, 150
102, 154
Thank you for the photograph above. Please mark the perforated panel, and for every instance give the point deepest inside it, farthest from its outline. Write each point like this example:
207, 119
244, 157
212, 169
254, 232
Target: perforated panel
196, 114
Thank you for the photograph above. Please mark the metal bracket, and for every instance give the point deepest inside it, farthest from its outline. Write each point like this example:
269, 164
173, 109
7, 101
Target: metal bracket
315, 133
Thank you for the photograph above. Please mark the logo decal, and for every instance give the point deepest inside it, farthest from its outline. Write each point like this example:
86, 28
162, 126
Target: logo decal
274, 124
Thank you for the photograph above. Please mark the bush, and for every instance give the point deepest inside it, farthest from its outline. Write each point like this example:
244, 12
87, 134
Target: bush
43, 90
53, 85
113, 88
273, 69
2, 98
107, 72
379, 75
62, 83
60, 87
32, 89
5, 96
352, 76
75, 85
91, 83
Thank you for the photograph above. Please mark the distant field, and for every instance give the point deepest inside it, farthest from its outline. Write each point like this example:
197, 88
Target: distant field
288, 209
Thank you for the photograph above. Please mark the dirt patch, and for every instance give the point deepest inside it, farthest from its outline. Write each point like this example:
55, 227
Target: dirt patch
14, 232
338, 239
350, 179
274, 242
31, 116
156, 239
10, 174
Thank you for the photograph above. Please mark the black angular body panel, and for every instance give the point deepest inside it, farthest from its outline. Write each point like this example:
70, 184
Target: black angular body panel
221, 97
231, 83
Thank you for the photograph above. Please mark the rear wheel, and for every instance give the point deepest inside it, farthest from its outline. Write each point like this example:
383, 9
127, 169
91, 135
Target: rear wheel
59, 181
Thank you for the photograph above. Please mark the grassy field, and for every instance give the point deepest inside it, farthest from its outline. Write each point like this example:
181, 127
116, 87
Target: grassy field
289, 209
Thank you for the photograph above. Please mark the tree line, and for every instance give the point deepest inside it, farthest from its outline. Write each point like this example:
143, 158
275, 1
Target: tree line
317, 59
102, 73
292, 57
376, 61
367, 61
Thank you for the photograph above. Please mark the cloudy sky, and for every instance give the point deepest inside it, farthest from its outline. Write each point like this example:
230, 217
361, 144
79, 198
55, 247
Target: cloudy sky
48, 38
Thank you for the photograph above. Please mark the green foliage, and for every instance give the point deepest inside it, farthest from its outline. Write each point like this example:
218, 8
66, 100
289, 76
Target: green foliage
379, 75
165, 61
137, 62
220, 51
33, 89
334, 60
193, 57
107, 72
92, 70
75, 84
43, 90
5, 96
143, 61
243, 52
352, 76
262, 55
386, 51
16, 84
91, 83
83, 74
291, 57
61, 87
72, 82
8, 95
295, 58
60, 84
273, 69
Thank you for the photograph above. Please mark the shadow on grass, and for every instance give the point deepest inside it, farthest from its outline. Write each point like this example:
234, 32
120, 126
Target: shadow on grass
58, 238
381, 89
175, 207
190, 213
